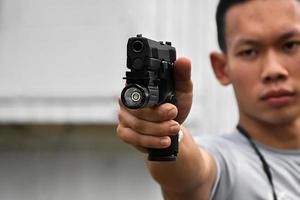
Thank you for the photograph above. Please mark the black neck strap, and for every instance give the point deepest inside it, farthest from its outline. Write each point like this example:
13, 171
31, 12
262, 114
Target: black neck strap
265, 165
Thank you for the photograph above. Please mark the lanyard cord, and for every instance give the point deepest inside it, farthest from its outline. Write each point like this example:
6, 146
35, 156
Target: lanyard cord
265, 165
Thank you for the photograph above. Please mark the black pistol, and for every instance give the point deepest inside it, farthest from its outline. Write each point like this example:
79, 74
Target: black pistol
150, 83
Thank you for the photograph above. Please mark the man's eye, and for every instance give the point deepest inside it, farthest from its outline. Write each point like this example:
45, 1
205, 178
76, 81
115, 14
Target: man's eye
291, 45
247, 53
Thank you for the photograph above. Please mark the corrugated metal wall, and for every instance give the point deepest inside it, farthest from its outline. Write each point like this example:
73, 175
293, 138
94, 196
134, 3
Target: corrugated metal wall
63, 60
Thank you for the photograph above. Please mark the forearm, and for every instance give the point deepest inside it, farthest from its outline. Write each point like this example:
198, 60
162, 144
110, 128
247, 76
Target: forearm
185, 176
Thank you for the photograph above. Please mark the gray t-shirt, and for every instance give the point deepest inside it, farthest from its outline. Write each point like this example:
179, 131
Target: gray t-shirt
239, 170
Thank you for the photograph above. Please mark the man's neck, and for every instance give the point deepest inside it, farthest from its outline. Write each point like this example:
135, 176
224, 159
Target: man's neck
282, 136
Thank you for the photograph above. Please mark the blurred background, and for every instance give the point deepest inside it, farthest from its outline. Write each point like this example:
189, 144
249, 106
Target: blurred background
61, 69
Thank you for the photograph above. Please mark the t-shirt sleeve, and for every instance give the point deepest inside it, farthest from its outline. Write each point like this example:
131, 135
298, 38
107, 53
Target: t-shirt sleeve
225, 160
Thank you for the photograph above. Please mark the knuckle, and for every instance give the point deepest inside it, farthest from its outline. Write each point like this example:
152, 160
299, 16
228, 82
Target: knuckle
120, 131
121, 118
131, 137
124, 135
119, 114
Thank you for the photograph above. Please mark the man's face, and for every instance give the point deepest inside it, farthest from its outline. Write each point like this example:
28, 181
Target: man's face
263, 59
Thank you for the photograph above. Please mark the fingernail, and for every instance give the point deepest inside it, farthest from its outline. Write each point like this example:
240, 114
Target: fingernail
164, 141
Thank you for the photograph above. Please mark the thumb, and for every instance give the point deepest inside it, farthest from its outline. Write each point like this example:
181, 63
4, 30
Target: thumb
182, 75
183, 87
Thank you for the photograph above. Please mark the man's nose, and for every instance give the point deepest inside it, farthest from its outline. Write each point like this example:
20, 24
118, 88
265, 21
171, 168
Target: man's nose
273, 70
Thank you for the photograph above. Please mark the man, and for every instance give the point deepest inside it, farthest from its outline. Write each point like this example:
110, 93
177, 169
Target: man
260, 42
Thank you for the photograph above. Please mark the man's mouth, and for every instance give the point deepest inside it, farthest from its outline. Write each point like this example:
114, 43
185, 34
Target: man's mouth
278, 98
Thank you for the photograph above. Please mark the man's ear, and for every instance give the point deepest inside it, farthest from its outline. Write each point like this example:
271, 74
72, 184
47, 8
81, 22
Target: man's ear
219, 65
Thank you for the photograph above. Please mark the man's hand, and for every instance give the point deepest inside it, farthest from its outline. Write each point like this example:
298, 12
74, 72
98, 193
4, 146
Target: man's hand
192, 175
150, 127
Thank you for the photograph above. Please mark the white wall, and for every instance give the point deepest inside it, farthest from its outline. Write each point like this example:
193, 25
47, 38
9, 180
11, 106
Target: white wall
63, 60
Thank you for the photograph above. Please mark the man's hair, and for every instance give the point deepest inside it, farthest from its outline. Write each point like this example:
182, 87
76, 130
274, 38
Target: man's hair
223, 7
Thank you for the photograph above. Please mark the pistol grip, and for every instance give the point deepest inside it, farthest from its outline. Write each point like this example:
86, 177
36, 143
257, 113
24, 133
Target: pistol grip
166, 154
